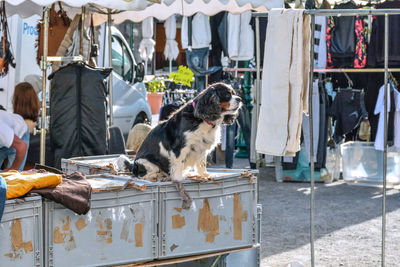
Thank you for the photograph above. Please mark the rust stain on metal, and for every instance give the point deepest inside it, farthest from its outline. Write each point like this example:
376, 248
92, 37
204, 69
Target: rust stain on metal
178, 209
109, 230
16, 238
100, 232
67, 224
173, 247
207, 222
58, 236
237, 218
226, 233
80, 224
244, 216
139, 235
178, 221
104, 234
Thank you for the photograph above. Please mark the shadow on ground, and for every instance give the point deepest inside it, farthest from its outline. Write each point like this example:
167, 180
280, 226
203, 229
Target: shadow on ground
286, 212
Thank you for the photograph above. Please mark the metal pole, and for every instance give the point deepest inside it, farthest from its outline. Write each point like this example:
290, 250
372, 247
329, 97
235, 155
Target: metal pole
110, 78
43, 66
342, 12
310, 111
82, 29
254, 117
385, 139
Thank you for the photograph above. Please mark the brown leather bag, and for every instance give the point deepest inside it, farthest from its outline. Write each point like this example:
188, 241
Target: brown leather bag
58, 26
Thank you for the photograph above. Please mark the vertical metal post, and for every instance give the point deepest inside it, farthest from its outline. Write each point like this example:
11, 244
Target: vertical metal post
310, 111
110, 78
82, 29
254, 118
386, 51
43, 66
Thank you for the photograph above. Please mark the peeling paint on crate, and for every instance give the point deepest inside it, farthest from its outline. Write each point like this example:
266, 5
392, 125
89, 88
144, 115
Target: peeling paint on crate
173, 247
16, 237
207, 222
178, 209
80, 224
67, 224
104, 234
139, 235
64, 235
58, 236
178, 221
17, 243
237, 218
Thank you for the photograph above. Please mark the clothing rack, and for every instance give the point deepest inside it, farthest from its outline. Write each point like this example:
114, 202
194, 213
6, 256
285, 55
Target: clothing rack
239, 69
355, 70
386, 70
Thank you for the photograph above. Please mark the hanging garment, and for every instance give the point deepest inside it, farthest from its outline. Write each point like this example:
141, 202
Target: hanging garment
263, 30
346, 40
219, 46
376, 56
171, 50
146, 47
73, 193
82, 131
397, 119
320, 43
323, 127
240, 37
379, 109
284, 83
20, 183
201, 32
316, 124
3, 194
347, 111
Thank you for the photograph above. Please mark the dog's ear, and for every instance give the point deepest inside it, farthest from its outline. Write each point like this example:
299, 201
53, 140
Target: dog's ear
229, 119
208, 106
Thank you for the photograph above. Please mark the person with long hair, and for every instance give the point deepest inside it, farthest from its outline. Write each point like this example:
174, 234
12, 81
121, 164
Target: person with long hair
16, 127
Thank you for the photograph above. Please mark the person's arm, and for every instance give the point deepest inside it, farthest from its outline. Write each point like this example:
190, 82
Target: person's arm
21, 148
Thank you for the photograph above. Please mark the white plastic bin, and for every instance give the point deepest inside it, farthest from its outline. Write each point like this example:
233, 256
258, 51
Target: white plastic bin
90, 164
119, 228
21, 239
362, 164
223, 215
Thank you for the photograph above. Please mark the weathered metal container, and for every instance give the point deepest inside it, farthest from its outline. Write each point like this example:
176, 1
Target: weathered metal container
223, 215
119, 228
21, 233
91, 164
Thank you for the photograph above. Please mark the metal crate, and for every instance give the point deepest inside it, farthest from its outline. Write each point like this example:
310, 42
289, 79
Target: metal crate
21, 233
223, 215
119, 228
90, 164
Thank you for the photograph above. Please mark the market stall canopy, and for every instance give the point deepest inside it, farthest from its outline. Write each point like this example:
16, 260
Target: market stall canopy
138, 10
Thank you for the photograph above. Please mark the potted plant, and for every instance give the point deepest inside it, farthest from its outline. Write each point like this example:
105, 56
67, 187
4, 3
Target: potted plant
155, 94
183, 77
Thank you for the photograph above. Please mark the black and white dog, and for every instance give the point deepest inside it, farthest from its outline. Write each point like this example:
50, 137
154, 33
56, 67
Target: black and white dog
184, 140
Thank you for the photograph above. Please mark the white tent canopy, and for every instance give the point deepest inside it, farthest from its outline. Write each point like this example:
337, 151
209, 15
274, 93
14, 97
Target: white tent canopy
138, 10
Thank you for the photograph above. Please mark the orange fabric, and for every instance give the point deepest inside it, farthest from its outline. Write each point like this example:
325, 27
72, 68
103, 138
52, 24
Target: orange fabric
20, 183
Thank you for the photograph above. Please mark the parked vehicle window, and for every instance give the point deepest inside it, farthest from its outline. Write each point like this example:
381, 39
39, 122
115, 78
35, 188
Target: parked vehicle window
121, 61
117, 56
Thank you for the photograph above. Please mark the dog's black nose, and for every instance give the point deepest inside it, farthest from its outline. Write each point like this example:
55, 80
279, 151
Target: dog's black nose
238, 99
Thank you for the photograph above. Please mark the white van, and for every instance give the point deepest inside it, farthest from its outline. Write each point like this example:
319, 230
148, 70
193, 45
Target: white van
130, 104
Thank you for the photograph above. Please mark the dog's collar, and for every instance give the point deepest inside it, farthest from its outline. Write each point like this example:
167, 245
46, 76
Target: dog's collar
207, 121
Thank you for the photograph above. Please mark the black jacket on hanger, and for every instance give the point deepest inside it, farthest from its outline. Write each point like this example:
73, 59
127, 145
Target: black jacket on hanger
375, 55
